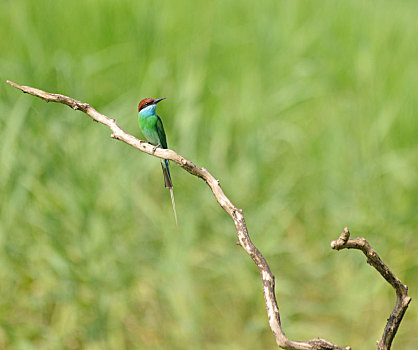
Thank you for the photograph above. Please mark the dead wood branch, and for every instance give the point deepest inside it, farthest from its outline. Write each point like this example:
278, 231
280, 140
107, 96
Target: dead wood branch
402, 298
240, 226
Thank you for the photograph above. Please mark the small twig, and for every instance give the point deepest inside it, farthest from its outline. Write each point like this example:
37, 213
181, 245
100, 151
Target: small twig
236, 214
402, 298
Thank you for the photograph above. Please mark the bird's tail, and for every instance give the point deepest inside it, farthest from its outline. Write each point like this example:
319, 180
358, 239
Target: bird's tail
166, 172
169, 184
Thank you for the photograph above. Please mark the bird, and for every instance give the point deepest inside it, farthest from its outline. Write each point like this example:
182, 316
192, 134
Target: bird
153, 130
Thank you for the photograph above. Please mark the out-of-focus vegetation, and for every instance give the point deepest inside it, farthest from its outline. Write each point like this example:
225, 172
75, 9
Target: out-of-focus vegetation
305, 110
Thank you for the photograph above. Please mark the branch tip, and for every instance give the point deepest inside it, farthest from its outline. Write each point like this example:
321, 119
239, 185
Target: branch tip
373, 259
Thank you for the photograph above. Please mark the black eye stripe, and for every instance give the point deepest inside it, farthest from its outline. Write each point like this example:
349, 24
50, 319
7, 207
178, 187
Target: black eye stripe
146, 104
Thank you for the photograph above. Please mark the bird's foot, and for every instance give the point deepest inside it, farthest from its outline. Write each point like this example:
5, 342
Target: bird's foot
155, 147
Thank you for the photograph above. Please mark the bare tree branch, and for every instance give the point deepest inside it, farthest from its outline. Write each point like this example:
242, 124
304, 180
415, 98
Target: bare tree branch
243, 237
402, 298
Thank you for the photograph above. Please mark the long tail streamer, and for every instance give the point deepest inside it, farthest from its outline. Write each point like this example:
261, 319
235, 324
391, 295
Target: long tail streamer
173, 203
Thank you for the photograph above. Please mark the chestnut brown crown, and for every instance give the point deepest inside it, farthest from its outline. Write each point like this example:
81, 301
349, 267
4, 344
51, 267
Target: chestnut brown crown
148, 102
145, 103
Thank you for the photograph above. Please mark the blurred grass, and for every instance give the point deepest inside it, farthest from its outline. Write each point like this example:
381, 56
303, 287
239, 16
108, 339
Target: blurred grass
306, 112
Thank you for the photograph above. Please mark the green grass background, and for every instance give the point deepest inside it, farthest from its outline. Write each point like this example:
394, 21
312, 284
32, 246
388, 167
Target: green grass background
305, 110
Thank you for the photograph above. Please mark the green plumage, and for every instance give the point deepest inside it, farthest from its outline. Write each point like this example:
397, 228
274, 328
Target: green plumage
153, 130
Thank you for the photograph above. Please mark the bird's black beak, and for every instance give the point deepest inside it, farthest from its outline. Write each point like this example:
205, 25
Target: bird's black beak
159, 100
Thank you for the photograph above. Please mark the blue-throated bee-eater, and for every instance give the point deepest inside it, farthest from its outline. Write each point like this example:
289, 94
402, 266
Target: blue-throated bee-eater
152, 128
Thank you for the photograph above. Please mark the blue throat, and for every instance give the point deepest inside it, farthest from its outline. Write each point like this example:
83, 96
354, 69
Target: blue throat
148, 111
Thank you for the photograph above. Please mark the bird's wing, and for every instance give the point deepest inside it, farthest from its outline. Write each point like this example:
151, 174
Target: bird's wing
161, 133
